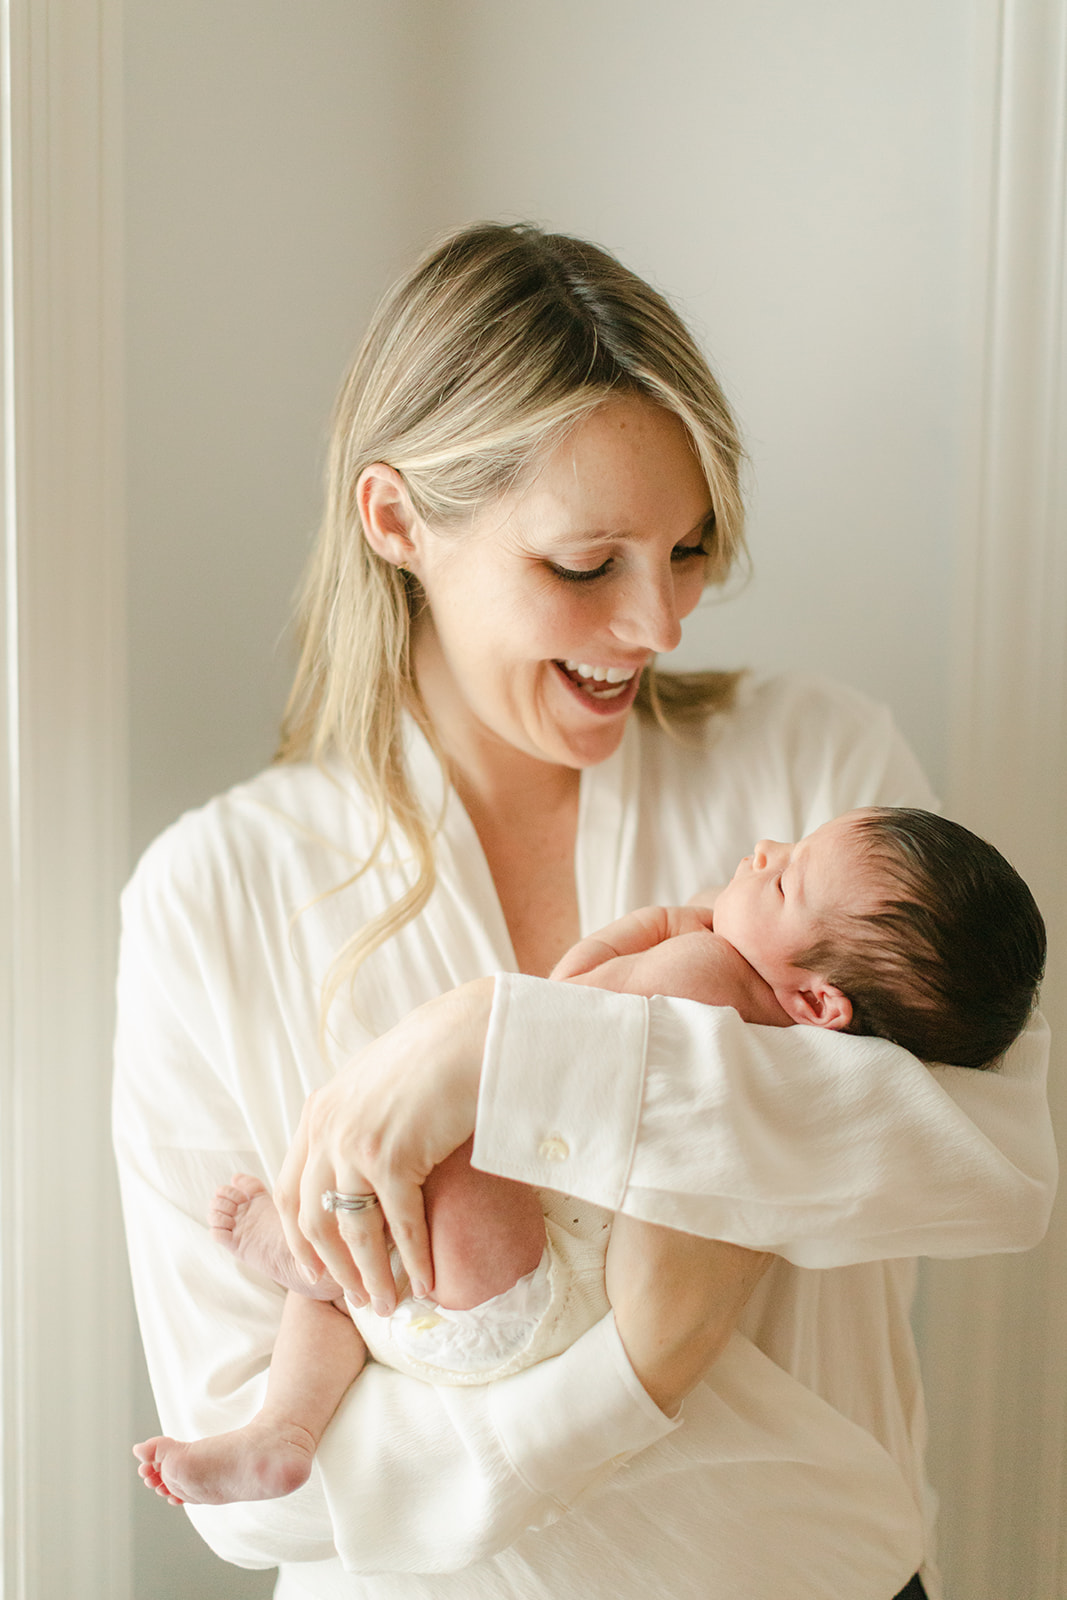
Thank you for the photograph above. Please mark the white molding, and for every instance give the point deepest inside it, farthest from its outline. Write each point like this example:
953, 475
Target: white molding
65, 1352
994, 1332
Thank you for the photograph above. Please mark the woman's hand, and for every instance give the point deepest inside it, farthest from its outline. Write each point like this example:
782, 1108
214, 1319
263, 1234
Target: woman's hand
380, 1126
676, 1300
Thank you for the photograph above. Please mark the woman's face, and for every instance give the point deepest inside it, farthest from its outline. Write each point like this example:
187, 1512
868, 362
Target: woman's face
544, 610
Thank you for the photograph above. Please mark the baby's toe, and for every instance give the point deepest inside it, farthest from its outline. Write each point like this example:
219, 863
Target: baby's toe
248, 1184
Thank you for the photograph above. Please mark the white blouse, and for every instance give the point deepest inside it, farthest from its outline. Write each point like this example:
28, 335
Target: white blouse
796, 1467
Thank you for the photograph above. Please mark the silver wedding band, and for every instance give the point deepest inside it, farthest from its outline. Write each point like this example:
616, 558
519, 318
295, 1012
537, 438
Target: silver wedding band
334, 1200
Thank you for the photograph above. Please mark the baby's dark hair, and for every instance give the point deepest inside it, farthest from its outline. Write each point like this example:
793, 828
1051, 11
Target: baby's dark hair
951, 969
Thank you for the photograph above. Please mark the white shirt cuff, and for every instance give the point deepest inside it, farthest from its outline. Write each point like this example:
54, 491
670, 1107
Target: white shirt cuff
541, 1122
569, 1423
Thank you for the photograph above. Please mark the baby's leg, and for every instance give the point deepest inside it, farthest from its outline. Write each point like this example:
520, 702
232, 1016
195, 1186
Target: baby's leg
244, 1219
485, 1232
317, 1355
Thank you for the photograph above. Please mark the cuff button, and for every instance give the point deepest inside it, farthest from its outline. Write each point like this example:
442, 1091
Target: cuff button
553, 1148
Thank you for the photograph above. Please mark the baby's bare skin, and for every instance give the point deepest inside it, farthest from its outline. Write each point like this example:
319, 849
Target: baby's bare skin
672, 950
244, 1220
269, 1458
491, 1233
272, 1455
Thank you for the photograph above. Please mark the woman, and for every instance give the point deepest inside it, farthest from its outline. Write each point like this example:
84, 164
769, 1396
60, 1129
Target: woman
533, 475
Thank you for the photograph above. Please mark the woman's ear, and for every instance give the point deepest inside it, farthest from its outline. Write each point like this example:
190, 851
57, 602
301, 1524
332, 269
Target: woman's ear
817, 1003
390, 523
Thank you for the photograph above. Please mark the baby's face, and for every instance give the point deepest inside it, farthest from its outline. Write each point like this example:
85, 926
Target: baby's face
777, 903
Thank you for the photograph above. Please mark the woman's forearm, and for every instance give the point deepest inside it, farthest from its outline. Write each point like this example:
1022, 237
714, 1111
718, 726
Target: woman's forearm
677, 1300
826, 1149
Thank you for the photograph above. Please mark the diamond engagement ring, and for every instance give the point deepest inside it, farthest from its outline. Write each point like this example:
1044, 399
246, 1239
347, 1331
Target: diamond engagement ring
333, 1200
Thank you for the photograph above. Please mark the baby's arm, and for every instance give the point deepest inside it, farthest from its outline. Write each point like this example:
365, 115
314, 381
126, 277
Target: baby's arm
672, 950
631, 935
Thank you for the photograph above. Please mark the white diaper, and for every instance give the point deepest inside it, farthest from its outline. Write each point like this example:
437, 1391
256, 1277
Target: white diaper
540, 1316
484, 1337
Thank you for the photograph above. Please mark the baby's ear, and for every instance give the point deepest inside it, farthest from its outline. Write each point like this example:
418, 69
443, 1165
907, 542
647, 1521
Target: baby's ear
819, 1004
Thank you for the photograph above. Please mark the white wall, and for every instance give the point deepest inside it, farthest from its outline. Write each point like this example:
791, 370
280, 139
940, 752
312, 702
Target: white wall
275, 184
801, 179
796, 177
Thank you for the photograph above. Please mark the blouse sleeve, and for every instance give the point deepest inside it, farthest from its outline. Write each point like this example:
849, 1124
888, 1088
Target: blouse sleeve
408, 1477
822, 1147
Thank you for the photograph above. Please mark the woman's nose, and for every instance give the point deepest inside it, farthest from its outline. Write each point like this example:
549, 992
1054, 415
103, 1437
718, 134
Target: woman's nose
649, 616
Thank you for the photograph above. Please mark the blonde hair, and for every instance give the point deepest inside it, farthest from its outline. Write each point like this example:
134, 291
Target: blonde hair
476, 365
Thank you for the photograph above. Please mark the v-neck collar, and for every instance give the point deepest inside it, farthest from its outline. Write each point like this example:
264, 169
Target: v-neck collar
477, 935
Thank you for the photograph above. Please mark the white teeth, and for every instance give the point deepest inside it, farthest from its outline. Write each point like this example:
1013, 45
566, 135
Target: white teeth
601, 674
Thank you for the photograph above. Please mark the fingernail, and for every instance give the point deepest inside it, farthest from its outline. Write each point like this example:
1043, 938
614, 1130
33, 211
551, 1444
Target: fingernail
382, 1307
309, 1273
418, 1291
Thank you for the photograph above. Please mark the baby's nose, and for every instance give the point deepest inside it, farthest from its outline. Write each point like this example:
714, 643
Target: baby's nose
765, 851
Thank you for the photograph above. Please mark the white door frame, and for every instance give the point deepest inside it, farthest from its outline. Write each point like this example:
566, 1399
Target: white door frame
66, 1468
994, 1332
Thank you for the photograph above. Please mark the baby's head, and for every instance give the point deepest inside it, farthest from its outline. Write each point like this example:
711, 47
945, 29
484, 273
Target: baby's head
893, 922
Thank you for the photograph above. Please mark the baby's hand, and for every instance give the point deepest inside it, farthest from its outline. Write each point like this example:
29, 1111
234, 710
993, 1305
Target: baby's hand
630, 936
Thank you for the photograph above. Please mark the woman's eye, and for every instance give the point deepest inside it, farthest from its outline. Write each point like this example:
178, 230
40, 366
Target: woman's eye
579, 574
680, 553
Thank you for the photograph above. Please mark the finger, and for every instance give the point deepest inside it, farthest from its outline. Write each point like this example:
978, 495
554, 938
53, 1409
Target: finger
362, 1234
335, 1256
287, 1192
322, 1231
404, 1208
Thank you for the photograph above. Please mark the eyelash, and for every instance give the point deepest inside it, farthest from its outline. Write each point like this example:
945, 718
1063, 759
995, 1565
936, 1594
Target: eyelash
571, 575
778, 881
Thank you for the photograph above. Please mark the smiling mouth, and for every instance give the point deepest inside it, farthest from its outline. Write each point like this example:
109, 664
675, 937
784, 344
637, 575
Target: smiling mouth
599, 683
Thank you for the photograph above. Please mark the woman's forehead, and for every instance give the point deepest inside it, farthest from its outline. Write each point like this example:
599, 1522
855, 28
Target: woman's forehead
626, 466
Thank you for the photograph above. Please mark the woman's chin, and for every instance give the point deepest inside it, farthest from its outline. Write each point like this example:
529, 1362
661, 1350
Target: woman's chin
578, 747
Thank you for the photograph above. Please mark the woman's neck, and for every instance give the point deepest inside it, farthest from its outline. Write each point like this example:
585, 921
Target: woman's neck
525, 813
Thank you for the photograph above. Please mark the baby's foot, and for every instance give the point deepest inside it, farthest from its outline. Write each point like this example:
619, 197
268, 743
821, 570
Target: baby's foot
244, 1219
261, 1462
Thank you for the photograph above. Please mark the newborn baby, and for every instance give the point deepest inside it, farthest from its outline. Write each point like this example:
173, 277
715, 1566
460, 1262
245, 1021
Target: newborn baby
884, 921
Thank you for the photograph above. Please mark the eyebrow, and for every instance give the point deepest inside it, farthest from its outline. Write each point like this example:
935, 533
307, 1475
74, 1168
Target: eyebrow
703, 525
